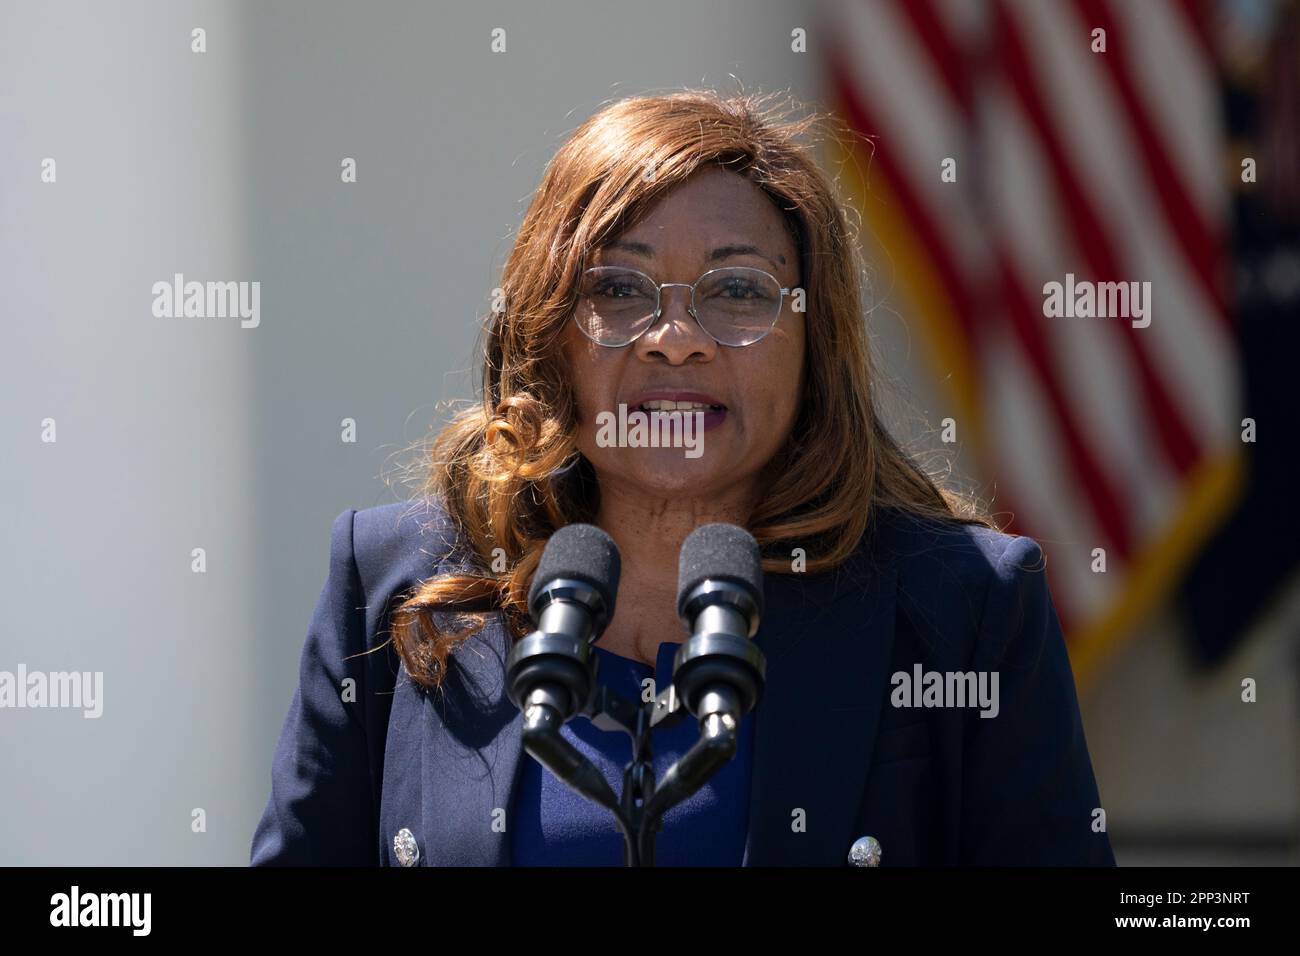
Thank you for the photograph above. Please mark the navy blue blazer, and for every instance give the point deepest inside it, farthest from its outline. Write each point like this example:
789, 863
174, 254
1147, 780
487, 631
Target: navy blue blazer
835, 758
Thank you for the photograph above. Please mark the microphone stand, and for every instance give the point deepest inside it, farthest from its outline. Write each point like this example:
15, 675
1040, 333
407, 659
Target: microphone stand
721, 674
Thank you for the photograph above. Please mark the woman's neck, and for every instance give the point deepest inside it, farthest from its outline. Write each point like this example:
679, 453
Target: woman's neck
649, 534
649, 531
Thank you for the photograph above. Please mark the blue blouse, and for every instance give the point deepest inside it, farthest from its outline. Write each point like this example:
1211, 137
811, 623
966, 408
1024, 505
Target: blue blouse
553, 826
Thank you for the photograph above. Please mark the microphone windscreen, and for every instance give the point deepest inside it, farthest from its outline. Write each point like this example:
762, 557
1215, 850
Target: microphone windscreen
720, 552
579, 552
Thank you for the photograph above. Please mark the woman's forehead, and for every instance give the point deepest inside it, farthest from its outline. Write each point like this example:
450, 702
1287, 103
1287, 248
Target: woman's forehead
713, 216
727, 199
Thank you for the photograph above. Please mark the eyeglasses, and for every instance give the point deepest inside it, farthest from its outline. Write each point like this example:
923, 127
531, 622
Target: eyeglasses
735, 305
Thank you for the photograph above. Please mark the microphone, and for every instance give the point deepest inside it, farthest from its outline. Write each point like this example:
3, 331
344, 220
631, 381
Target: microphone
720, 600
718, 673
575, 583
550, 674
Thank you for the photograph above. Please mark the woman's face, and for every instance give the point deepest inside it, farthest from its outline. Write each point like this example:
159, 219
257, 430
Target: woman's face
707, 222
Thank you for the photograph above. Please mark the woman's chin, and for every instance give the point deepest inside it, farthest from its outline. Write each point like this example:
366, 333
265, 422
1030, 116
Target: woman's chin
666, 471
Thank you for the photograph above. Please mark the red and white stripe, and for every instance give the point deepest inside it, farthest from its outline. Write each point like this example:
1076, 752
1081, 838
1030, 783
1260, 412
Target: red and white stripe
1104, 165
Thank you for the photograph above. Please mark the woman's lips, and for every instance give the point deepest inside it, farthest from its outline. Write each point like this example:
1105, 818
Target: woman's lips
713, 416
713, 409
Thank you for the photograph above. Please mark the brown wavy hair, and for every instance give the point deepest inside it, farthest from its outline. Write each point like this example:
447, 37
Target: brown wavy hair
507, 470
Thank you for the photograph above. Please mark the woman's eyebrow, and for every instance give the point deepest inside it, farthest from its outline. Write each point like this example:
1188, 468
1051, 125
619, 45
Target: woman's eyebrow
722, 252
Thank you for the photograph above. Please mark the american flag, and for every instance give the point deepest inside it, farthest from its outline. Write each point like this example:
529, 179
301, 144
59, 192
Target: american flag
1080, 138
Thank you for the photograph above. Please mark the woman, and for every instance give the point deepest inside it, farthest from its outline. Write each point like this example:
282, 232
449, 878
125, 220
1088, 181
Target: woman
685, 252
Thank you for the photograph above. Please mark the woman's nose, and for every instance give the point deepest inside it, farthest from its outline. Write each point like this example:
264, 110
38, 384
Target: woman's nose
675, 337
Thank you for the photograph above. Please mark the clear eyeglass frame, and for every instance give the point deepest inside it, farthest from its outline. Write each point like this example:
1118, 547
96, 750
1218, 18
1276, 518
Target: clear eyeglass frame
658, 310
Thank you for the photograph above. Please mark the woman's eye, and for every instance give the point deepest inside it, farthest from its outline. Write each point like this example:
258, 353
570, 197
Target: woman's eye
741, 288
621, 290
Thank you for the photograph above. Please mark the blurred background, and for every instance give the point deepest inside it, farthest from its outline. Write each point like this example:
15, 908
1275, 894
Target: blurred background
993, 146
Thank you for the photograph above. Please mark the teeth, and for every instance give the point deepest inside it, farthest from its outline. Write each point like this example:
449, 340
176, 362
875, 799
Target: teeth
663, 405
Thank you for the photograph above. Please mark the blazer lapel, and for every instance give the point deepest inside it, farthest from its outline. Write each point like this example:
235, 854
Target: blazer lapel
827, 641
472, 755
